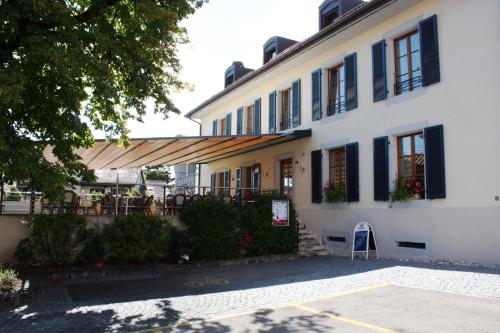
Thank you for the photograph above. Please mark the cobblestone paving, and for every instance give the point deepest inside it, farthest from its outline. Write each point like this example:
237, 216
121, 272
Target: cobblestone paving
314, 278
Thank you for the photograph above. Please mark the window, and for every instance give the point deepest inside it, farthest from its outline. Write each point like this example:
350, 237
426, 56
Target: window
336, 171
223, 126
286, 106
270, 54
286, 176
407, 56
336, 90
229, 79
328, 17
250, 120
411, 159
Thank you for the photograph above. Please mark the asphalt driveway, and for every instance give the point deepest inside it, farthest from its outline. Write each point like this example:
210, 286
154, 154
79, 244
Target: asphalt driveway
326, 294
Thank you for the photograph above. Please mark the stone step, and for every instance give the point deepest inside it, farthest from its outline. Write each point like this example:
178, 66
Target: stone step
310, 247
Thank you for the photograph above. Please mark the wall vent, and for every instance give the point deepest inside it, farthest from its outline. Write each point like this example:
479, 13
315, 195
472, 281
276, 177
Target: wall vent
336, 239
411, 245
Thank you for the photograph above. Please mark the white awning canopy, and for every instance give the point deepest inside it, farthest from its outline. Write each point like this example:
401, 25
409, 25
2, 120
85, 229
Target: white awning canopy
177, 150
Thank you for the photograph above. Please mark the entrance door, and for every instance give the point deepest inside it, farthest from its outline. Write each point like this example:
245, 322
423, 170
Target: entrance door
286, 176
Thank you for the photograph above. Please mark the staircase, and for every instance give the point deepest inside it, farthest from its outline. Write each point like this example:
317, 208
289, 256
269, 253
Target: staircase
309, 246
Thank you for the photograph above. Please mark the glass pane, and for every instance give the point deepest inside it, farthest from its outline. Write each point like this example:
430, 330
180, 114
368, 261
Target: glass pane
414, 42
415, 61
405, 146
403, 65
402, 47
419, 144
405, 169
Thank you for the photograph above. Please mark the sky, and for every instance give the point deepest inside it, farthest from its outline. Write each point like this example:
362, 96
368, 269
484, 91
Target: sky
220, 32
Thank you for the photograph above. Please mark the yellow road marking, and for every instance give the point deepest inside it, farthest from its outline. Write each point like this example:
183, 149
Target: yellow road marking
345, 319
275, 307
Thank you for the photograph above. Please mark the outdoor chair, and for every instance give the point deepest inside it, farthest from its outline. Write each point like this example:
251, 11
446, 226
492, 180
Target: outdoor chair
179, 202
169, 204
108, 206
47, 205
68, 202
147, 205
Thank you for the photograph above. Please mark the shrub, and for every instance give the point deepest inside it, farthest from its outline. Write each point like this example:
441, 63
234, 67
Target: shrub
213, 227
93, 250
13, 195
8, 278
137, 238
25, 253
135, 192
54, 240
259, 237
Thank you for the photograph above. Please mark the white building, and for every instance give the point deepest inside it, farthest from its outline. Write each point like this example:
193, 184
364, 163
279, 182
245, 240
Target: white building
389, 89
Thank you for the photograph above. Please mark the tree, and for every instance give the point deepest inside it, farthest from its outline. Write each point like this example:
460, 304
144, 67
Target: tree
158, 172
67, 66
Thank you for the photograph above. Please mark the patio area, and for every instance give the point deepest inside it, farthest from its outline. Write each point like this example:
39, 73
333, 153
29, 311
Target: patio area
170, 202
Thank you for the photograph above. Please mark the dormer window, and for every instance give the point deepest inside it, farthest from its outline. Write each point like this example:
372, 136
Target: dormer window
274, 46
229, 80
328, 17
270, 55
330, 10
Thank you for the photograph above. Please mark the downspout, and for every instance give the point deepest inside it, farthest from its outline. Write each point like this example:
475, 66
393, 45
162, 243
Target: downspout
199, 168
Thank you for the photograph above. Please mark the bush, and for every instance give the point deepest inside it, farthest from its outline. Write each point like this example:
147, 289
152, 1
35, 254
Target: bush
259, 237
8, 278
13, 195
137, 238
24, 253
213, 229
55, 240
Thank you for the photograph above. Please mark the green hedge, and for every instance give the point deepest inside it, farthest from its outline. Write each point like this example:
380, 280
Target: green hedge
212, 229
215, 230
138, 238
220, 231
64, 239
264, 237
55, 240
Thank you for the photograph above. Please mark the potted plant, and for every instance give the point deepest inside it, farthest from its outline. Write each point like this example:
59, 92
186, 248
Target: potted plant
333, 192
407, 188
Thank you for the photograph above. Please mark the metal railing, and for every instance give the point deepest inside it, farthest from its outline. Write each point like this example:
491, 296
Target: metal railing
407, 85
23, 203
335, 108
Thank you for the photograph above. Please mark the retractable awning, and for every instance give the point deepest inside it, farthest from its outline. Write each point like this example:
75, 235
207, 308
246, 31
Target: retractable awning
178, 150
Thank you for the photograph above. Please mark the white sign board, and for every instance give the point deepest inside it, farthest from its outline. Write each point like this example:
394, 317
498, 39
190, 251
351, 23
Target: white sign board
363, 240
281, 213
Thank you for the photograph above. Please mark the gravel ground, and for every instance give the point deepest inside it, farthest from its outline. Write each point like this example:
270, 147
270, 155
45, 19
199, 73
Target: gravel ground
144, 302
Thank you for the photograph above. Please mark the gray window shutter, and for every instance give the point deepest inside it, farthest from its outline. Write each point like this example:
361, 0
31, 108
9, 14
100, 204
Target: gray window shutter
435, 182
214, 127
381, 169
272, 112
239, 121
352, 172
351, 84
316, 176
296, 103
379, 71
316, 94
257, 116
228, 124
429, 50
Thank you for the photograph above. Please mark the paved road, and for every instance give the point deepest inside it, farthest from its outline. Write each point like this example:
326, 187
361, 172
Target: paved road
449, 298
